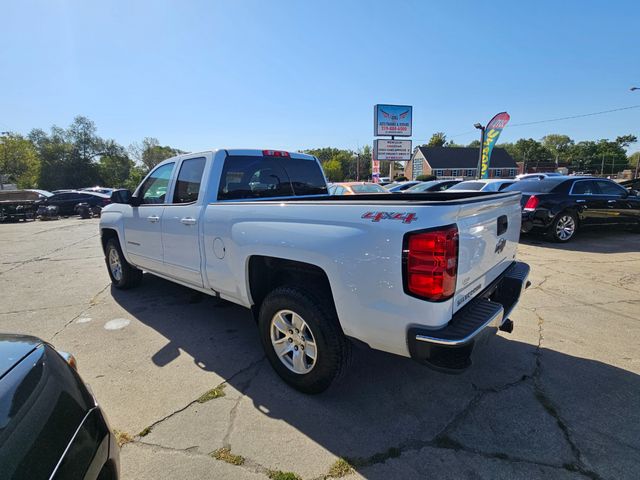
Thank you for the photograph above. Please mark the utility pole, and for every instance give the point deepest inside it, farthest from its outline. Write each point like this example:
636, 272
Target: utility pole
481, 128
635, 175
602, 167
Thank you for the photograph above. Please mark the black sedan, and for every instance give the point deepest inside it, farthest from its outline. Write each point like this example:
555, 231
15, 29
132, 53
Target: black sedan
50, 424
66, 201
559, 206
432, 186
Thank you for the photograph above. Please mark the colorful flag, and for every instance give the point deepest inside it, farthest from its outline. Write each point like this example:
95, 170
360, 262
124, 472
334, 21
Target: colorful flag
491, 134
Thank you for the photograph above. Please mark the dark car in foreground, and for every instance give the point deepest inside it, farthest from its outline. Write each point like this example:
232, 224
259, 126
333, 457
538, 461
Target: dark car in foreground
432, 186
67, 201
50, 423
560, 206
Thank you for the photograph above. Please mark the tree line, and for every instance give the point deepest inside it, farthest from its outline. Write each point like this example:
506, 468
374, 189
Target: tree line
76, 157
602, 156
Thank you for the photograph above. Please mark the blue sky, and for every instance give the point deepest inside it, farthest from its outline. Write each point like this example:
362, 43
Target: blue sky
302, 74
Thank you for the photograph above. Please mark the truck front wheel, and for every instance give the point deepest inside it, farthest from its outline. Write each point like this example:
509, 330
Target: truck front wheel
302, 338
123, 274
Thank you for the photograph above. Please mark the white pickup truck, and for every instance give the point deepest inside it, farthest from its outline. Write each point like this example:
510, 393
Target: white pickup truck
418, 275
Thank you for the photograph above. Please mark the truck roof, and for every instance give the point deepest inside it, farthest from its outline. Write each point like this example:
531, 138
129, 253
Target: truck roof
251, 152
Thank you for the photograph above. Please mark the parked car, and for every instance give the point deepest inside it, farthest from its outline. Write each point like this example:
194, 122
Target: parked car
482, 185
104, 190
355, 188
20, 204
67, 201
537, 176
257, 228
50, 424
560, 206
401, 186
432, 186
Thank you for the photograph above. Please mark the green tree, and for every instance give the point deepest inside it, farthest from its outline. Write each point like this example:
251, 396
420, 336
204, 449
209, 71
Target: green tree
333, 170
19, 160
474, 144
626, 140
150, 153
559, 145
527, 150
114, 165
633, 159
136, 174
438, 139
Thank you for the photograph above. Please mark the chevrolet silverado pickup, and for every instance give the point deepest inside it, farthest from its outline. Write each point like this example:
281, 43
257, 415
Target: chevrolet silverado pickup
419, 275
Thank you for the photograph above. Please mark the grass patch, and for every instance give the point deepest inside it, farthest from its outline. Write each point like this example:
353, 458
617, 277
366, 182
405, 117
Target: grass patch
122, 437
214, 393
280, 475
225, 455
145, 431
340, 468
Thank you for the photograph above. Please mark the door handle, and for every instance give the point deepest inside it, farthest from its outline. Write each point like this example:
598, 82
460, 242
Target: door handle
580, 201
153, 218
188, 221
611, 201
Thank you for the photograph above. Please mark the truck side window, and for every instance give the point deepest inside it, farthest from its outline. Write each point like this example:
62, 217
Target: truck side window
253, 177
154, 188
189, 179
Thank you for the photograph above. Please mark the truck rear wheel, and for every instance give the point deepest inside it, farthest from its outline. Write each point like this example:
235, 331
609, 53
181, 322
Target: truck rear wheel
123, 274
302, 338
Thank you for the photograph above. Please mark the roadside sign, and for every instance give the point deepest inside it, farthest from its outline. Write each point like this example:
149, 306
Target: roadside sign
392, 150
392, 120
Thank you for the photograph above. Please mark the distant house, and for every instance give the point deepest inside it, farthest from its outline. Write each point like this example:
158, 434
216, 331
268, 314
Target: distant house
458, 162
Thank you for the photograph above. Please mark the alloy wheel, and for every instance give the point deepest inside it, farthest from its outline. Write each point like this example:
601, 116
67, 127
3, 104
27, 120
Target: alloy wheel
293, 342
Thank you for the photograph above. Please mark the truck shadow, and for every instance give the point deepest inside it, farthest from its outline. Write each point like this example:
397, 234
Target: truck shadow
590, 241
516, 404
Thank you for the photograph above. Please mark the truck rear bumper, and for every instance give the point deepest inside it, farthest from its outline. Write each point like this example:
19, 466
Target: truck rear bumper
449, 348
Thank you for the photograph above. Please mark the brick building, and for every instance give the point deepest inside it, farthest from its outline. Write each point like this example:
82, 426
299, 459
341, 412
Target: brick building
458, 162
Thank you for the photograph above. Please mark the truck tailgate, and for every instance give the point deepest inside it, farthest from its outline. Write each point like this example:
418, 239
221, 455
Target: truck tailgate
488, 238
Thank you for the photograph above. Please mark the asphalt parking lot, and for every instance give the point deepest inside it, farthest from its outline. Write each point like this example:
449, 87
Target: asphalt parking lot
183, 376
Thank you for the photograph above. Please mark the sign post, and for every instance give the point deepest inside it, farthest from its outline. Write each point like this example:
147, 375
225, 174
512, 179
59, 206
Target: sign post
393, 121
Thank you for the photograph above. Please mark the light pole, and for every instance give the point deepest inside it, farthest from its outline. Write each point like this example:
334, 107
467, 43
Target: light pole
480, 127
356, 156
635, 175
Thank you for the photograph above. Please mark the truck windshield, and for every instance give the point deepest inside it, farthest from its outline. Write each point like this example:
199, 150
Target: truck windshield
264, 177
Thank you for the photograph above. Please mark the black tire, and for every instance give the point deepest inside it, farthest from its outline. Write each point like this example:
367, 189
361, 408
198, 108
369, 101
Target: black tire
129, 275
333, 349
564, 227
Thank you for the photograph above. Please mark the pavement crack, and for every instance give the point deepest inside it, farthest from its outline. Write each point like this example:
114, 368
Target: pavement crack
44, 256
242, 388
542, 398
92, 303
149, 428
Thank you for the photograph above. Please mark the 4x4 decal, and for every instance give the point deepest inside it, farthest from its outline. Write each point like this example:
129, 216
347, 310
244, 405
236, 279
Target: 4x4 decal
405, 217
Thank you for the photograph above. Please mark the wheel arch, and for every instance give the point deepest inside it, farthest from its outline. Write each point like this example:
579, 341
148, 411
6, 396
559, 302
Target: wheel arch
266, 273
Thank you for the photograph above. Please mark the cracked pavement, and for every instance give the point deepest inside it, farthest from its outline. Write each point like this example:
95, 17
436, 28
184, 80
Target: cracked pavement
556, 398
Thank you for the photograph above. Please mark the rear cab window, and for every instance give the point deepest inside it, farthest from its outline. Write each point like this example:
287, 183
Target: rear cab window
189, 179
255, 177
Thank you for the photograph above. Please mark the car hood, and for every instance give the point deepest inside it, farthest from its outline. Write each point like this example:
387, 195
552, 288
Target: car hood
14, 348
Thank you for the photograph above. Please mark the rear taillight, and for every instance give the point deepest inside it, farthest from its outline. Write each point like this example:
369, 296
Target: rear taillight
532, 203
431, 263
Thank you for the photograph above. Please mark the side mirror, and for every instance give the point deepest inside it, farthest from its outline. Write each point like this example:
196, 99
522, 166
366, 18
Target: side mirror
634, 193
121, 196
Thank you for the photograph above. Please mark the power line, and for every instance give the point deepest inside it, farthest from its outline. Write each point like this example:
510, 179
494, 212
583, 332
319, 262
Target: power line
537, 122
575, 116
